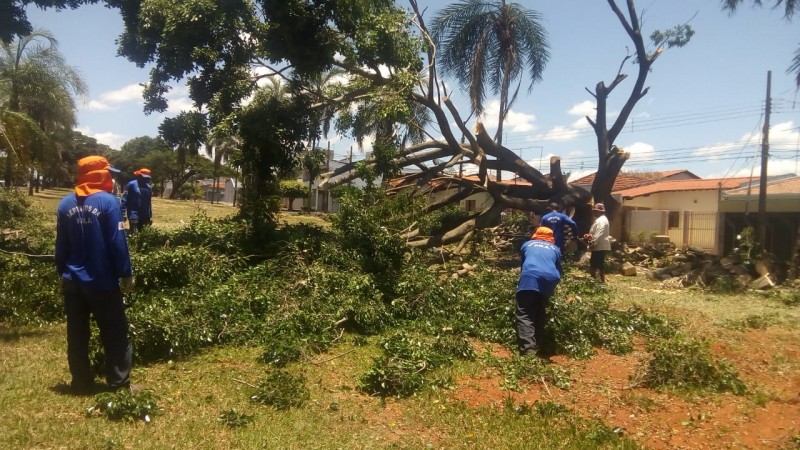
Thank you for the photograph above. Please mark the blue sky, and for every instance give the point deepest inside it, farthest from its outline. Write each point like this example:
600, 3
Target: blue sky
704, 110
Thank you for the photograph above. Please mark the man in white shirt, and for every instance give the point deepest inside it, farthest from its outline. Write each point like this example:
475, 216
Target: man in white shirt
599, 243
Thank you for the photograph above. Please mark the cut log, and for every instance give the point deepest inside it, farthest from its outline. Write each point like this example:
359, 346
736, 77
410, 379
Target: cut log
660, 239
629, 270
763, 282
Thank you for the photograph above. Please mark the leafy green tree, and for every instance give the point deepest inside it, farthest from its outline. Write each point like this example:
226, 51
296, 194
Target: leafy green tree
491, 43
292, 189
36, 80
185, 134
221, 144
312, 161
133, 154
222, 49
790, 8
272, 130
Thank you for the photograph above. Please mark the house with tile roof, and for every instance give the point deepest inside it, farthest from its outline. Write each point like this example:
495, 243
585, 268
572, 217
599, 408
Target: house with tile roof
740, 210
686, 210
627, 180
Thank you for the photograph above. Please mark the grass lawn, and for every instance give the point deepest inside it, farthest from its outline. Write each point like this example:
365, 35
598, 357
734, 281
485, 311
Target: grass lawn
475, 412
603, 407
170, 214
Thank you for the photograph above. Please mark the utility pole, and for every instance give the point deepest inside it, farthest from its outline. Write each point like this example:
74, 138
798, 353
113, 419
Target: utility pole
762, 182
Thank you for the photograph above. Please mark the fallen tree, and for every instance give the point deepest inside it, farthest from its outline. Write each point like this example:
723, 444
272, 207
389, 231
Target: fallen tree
391, 95
438, 160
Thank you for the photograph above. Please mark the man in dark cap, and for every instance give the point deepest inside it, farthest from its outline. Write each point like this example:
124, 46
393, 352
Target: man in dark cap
137, 200
92, 257
558, 222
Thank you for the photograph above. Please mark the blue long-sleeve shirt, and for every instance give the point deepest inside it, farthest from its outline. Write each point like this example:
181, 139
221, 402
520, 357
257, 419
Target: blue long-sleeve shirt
137, 201
90, 241
541, 267
556, 221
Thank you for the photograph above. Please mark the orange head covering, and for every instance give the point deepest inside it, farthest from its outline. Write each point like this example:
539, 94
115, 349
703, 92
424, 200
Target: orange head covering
544, 234
94, 175
143, 172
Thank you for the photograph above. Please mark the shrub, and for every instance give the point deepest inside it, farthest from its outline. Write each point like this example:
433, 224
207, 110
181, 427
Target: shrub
531, 369
727, 284
578, 323
17, 213
30, 291
682, 363
282, 349
442, 220
282, 391
122, 405
404, 368
233, 418
366, 225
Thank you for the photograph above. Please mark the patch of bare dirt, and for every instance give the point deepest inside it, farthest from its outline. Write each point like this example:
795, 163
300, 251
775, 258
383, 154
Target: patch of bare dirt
768, 418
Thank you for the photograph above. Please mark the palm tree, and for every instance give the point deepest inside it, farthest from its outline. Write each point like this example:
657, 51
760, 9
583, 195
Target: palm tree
221, 142
36, 80
20, 137
482, 42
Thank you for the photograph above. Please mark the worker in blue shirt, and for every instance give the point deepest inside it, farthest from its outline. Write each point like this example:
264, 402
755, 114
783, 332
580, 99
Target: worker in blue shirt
91, 258
558, 221
137, 200
541, 272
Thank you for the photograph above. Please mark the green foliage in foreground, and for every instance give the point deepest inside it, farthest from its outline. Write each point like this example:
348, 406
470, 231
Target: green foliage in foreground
281, 390
215, 282
682, 363
407, 361
122, 405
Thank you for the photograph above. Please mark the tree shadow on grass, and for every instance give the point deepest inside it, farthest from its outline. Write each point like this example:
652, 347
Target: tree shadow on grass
62, 388
14, 334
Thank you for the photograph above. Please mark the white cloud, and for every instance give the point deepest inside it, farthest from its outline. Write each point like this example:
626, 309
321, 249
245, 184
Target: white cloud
516, 122
112, 99
131, 92
775, 167
783, 134
557, 133
581, 124
178, 104
641, 151
94, 105
583, 109
108, 138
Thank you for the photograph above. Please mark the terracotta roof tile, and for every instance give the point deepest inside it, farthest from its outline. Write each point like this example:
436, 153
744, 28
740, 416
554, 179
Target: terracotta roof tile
626, 180
780, 187
684, 185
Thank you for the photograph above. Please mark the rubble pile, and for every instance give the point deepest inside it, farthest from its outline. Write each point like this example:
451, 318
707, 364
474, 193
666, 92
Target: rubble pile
689, 266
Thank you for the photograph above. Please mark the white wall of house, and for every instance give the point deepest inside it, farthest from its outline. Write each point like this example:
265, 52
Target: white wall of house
688, 217
706, 200
646, 223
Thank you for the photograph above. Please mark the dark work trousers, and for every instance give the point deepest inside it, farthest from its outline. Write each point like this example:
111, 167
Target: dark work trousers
109, 312
531, 318
133, 226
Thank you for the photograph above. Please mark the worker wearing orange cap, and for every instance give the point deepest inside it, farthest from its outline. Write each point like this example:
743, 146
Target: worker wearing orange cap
136, 200
541, 272
92, 257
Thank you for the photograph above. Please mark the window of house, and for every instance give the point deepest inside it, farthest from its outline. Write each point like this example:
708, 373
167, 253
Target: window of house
674, 219
470, 205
